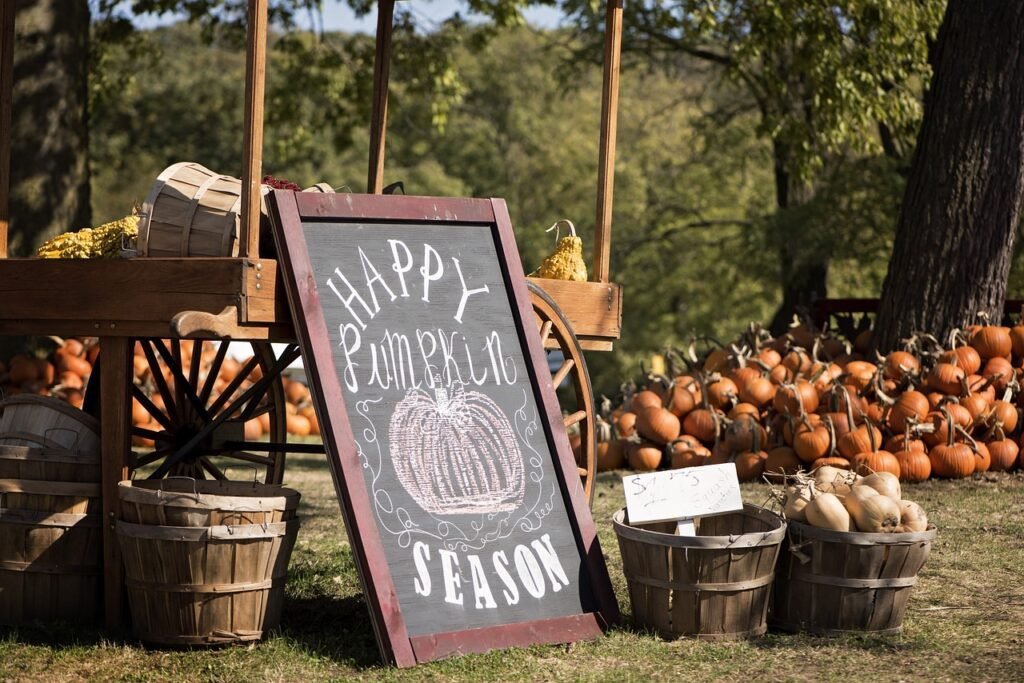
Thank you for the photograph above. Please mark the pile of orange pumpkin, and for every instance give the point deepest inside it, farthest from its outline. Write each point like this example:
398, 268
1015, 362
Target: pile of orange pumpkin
66, 371
776, 406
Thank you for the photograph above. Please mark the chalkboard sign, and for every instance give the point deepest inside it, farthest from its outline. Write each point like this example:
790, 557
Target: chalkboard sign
455, 476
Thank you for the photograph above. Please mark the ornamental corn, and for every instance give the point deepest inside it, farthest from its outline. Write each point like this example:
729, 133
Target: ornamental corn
103, 242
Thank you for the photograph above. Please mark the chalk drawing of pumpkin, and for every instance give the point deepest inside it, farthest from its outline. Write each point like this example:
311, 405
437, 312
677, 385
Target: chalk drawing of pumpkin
455, 453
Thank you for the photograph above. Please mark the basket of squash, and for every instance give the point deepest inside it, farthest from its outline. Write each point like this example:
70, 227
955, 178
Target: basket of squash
853, 551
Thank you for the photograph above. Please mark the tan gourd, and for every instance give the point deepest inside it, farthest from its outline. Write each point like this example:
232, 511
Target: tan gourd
912, 516
830, 479
875, 514
825, 511
856, 495
797, 499
885, 483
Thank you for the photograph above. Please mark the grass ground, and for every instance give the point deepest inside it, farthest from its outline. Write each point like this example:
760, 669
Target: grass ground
965, 622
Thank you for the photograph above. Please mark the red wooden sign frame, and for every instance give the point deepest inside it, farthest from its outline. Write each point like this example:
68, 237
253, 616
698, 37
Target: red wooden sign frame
289, 210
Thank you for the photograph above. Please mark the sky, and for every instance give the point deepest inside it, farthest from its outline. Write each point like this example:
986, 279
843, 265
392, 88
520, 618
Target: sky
338, 16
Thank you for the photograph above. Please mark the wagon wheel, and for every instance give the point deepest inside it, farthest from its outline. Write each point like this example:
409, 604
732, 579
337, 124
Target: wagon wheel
557, 335
198, 416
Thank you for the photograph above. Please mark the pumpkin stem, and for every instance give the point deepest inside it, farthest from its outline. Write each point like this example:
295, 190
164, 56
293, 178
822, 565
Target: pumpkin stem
970, 440
951, 427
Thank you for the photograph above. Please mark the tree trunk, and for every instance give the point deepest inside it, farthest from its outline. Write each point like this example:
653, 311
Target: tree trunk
961, 209
803, 277
49, 152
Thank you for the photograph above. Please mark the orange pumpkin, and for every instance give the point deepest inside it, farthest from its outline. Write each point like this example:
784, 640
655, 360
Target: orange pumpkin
875, 461
914, 465
781, 461
1004, 454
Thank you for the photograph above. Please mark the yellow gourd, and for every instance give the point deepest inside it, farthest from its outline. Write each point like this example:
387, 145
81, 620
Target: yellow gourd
566, 262
103, 242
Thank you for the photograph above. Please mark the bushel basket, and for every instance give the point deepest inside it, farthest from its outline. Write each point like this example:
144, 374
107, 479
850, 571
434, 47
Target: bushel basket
713, 586
205, 561
835, 582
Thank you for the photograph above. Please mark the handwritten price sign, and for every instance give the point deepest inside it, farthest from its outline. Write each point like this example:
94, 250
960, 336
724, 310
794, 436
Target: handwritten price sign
680, 494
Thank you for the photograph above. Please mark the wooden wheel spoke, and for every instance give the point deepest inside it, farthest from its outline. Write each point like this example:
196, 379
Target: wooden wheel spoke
182, 388
196, 363
270, 447
563, 371
545, 331
158, 380
149, 458
150, 434
248, 412
234, 384
244, 456
575, 418
212, 469
268, 376
211, 377
151, 408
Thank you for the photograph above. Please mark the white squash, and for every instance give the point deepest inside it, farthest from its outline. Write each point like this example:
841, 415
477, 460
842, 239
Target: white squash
852, 500
825, 511
886, 483
830, 479
797, 498
912, 516
877, 514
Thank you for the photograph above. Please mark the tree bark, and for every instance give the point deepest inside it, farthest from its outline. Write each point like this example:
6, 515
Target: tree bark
49, 152
961, 210
803, 277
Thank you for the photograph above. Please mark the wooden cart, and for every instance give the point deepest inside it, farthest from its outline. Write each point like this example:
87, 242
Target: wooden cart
178, 309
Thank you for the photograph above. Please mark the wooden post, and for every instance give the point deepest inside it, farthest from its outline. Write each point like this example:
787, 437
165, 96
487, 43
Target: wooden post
115, 422
6, 100
381, 74
609, 126
255, 76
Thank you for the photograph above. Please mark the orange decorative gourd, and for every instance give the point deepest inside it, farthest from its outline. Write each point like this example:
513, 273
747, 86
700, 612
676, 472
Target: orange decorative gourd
899, 364
645, 399
781, 461
722, 393
863, 439
914, 465
992, 341
999, 369
950, 459
831, 461
758, 391
657, 424
812, 441
964, 357
875, 461
796, 399
1004, 454
910, 404
702, 424
644, 456
946, 378
686, 453
750, 465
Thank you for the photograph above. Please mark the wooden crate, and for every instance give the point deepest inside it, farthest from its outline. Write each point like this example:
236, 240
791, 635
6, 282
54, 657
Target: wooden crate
205, 585
834, 582
713, 586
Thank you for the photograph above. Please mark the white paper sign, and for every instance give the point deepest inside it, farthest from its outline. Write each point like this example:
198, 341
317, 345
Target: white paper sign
677, 494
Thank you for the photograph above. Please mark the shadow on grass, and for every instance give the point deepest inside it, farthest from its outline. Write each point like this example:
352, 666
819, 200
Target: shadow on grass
336, 628
64, 635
